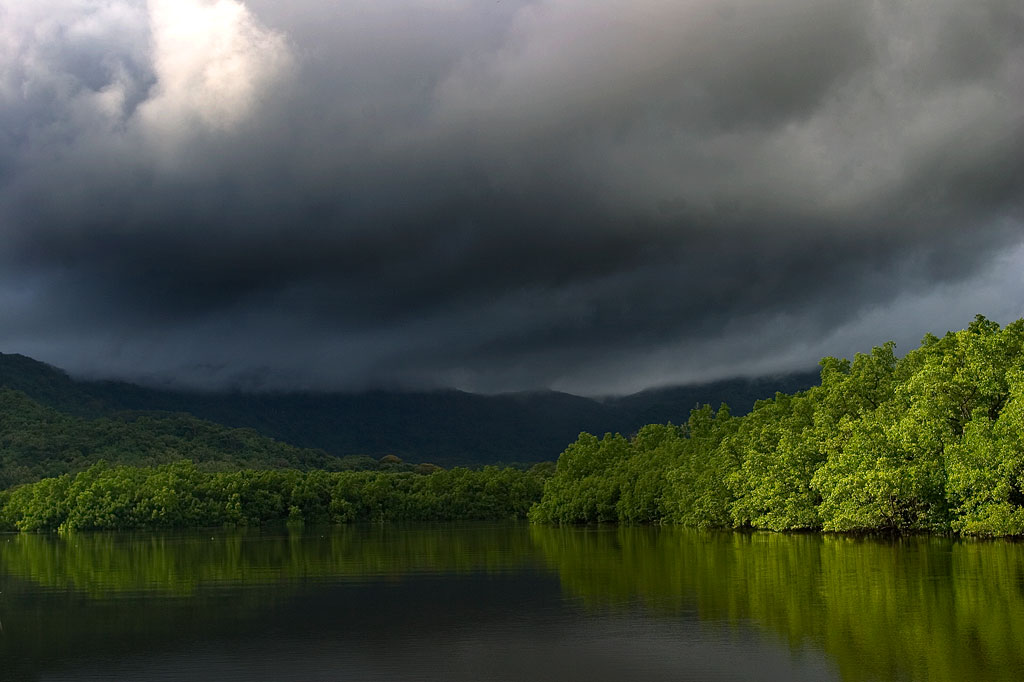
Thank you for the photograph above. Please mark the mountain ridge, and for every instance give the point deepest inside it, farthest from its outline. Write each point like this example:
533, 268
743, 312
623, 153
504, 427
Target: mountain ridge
446, 426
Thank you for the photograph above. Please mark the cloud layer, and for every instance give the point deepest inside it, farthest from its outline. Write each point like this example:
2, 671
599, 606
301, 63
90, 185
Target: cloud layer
589, 196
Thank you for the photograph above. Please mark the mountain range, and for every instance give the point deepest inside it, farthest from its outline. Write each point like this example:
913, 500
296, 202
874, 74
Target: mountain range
445, 427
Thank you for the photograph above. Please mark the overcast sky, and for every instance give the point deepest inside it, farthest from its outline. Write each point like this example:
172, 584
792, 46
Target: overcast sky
592, 196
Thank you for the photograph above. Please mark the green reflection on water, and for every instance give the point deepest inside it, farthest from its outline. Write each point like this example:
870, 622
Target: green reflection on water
919, 608
102, 564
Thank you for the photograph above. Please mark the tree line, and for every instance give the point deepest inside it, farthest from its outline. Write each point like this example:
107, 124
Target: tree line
932, 441
180, 495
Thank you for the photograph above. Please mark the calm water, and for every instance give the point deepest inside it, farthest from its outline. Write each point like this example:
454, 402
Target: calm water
508, 602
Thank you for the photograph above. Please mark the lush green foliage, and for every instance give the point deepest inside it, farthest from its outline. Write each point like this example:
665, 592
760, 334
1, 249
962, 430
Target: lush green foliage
38, 442
179, 495
138, 470
933, 441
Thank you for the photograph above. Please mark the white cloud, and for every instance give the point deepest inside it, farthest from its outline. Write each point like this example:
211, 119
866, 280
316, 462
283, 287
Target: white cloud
214, 62
167, 69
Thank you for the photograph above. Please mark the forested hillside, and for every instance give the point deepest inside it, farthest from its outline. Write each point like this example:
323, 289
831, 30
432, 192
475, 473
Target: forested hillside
932, 441
174, 470
38, 441
446, 427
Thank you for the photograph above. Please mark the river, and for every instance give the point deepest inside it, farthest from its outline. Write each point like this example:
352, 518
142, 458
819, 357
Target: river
508, 602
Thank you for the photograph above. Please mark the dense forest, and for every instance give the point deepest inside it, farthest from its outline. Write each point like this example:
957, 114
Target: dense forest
38, 442
161, 470
179, 495
446, 427
932, 441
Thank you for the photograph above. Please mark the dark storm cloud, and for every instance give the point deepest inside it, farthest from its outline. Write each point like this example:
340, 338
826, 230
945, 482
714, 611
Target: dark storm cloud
594, 196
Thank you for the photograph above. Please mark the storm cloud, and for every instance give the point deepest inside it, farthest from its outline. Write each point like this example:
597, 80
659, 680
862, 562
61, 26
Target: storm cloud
591, 196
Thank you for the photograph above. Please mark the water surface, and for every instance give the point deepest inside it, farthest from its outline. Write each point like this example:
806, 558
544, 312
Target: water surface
507, 602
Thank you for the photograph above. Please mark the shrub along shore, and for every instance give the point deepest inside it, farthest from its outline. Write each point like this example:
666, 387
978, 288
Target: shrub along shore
930, 442
179, 495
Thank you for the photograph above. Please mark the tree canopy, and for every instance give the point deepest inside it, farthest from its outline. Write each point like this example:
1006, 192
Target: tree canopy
932, 441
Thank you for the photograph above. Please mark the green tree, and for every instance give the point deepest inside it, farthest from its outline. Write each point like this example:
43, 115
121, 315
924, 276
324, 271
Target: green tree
780, 454
986, 469
697, 493
587, 482
654, 451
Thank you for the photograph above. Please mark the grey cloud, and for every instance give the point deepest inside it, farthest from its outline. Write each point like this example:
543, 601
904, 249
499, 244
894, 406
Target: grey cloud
594, 196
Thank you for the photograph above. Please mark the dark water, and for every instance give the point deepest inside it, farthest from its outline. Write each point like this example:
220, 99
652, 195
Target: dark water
508, 602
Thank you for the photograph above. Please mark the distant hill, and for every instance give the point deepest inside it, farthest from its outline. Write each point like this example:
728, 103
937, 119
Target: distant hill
37, 441
444, 427
661, 405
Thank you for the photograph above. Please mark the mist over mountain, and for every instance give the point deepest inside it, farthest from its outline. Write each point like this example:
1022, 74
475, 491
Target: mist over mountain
445, 427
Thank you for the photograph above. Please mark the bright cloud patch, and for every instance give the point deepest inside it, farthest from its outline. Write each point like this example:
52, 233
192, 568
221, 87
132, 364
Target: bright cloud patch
213, 62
